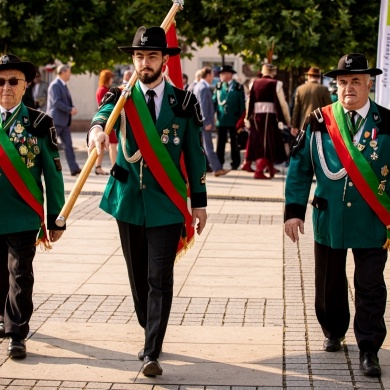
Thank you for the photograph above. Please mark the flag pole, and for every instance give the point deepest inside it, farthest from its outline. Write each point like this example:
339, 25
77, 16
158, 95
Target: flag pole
82, 178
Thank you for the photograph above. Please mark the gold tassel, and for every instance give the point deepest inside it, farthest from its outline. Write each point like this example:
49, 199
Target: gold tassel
43, 244
387, 244
186, 246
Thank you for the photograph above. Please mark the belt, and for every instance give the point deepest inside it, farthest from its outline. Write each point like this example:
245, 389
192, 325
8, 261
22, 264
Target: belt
265, 107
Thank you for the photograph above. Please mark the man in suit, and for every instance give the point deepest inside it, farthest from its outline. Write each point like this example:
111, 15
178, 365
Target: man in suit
61, 109
308, 97
28, 152
146, 192
229, 102
346, 146
204, 95
39, 90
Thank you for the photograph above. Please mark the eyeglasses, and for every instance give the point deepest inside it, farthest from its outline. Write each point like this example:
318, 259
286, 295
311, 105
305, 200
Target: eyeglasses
12, 81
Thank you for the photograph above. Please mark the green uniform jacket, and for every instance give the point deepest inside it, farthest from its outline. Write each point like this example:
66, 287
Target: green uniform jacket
142, 201
34, 137
341, 217
229, 113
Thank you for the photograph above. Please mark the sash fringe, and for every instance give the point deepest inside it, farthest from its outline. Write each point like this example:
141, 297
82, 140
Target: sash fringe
186, 246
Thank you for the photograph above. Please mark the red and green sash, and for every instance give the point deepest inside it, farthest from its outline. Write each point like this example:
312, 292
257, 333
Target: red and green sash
159, 161
22, 180
356, 165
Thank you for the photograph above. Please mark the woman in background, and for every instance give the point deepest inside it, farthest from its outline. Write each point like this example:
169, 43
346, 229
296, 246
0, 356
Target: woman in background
106, 79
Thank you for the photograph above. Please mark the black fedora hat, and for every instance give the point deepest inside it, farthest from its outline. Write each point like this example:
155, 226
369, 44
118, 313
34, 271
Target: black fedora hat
354, 63
152, 38
226, 68
9, 61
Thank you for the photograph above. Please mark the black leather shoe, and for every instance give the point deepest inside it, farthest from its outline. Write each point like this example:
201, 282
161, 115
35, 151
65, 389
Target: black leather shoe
369, 364
151, 367
141, 355
332, 345
2, 330
76, 172
17, 348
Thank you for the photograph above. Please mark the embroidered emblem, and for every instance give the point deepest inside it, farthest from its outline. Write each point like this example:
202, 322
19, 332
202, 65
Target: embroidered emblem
384, 171
144, 39
172, 100
348, 62
376, 116
4, 59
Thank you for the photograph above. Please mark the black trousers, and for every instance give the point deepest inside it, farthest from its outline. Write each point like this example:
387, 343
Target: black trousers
331, 294
17, 252
222, 132
150, 255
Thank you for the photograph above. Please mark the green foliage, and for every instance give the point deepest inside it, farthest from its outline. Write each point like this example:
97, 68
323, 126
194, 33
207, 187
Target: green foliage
88, 32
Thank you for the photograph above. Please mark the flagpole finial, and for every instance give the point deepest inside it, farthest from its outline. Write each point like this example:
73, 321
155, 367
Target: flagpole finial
180, 2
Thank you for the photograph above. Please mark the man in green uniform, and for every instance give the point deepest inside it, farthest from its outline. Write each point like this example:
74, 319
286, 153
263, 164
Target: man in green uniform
229, 104
147, 189
28, 151
346, 146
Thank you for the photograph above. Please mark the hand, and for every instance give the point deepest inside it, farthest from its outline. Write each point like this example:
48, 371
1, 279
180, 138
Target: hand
208, 127
74, 111
55, 235
294, 131
99, 139
291, 228
201, 215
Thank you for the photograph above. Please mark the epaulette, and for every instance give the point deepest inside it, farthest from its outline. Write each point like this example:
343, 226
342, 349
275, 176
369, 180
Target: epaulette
41, 125
187, 105
112, 96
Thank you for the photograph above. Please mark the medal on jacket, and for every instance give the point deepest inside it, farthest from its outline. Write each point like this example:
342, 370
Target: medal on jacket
384, 170
176, 139
165, 136
374, 144
382, 187
19, 128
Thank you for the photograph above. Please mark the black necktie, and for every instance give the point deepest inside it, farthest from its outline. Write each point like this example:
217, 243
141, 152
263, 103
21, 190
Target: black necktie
352, 115
151, 105
6, 115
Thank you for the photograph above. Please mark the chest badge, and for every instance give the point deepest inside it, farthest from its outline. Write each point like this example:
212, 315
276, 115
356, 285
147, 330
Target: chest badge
176, 138
165, 136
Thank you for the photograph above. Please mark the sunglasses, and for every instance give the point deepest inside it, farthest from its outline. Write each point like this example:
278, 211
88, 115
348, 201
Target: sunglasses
12, 82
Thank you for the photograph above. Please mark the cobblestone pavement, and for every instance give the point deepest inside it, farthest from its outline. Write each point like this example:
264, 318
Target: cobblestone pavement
294, 361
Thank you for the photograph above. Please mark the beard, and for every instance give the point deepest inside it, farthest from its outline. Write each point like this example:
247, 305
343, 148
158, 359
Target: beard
149, 78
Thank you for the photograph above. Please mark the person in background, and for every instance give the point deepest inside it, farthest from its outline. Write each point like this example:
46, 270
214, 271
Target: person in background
229, 103
61, 109
39, 91
196, 80
346, 146
106, 78
204, 95
308, 97
185, 81
267, 113
126, 76
145, 190
28, 144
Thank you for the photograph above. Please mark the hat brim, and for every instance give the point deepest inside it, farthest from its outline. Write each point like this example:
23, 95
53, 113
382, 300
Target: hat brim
25, 67
340, 72
172, 51
227, 71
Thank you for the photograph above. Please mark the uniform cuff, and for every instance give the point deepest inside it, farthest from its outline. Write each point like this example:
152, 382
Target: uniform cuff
294, 210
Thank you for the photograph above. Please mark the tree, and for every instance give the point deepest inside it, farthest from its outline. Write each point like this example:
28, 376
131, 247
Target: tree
302, 32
